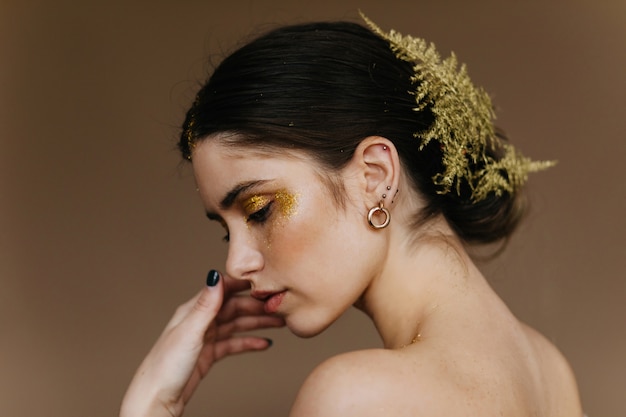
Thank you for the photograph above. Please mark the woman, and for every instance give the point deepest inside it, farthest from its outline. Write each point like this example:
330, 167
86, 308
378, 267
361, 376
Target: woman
350, 167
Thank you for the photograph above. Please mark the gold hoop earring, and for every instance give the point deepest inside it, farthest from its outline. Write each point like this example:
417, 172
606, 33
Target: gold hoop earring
375, 210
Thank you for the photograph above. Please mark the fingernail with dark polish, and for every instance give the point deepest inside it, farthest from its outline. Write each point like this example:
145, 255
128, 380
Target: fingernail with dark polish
270, 342
212, 278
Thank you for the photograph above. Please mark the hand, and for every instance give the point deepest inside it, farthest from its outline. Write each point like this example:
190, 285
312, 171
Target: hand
199, 334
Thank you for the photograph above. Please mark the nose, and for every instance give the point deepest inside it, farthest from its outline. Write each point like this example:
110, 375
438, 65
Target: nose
244, 258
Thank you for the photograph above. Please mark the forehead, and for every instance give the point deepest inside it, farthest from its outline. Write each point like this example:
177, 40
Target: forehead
216, 151
221, 165
217, 165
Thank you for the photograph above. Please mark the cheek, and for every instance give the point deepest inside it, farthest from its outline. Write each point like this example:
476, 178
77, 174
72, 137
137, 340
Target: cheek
293, 233
314, 240
280, 224
301, 227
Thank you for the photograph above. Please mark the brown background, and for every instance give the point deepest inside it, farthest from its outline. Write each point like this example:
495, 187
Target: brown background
101, 235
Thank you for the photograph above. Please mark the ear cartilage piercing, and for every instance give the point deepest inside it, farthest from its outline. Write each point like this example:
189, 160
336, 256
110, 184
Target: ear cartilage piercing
388, 188
384, 148
384, 195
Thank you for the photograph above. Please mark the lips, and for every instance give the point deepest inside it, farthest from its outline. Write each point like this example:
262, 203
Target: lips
272, 300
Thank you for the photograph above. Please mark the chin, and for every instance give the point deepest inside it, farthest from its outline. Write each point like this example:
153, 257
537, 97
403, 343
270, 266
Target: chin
306, 328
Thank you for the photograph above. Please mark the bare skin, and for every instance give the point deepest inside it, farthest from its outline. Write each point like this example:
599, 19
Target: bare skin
201, 332
451, 346
472, 358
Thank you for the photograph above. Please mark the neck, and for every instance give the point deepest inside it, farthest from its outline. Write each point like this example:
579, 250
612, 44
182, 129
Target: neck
425, 286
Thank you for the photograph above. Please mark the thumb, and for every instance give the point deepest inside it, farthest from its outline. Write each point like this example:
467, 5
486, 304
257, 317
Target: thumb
207, 304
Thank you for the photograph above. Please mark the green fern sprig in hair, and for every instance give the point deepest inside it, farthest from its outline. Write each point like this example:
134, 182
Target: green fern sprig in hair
463, 122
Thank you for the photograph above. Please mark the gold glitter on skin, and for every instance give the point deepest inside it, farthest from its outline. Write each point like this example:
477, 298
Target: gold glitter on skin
254, 204
286, 204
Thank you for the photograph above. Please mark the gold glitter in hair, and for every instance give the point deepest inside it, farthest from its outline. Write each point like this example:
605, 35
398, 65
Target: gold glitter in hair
463, 122
188, 133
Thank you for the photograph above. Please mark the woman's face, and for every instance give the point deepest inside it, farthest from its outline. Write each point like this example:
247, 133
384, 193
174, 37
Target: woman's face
307, 258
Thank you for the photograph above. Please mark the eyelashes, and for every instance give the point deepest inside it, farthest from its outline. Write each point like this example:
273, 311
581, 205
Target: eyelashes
259, 209
259, 217
226, 237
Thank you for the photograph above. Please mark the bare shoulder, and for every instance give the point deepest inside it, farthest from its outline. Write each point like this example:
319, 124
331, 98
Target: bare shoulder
426, 380
557, 374
364, 383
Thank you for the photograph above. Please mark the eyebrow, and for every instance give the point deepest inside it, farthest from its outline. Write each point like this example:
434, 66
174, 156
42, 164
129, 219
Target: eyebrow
232, 195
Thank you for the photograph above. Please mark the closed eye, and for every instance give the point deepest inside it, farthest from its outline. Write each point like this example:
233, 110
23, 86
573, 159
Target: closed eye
261, 216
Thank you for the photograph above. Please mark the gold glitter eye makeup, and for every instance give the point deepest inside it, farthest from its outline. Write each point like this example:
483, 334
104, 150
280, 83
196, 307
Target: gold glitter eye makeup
287, 203
258, 208
254, 204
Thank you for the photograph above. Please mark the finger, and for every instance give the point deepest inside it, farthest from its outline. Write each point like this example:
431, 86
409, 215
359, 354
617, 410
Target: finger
182, 311
238, 345
242, 305
211, 353
206, 305
232, 286
246, 324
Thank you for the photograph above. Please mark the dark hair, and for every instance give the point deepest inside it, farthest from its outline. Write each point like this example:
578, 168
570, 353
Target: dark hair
322, 88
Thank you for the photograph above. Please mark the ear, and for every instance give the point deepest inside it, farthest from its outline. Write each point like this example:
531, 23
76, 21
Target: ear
378, 169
